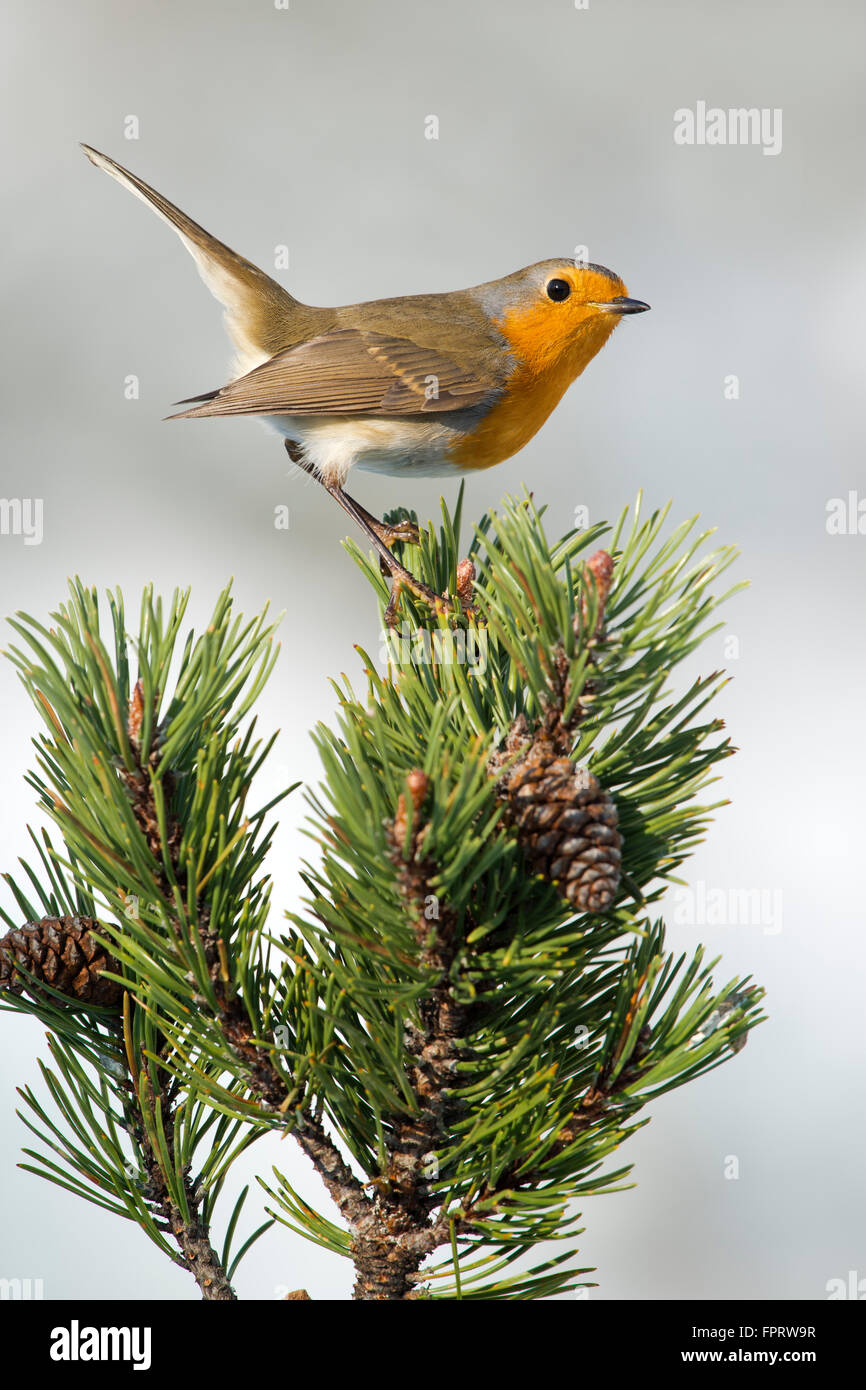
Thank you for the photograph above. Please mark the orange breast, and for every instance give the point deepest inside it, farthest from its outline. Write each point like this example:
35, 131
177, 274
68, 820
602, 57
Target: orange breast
526, 404
551, 351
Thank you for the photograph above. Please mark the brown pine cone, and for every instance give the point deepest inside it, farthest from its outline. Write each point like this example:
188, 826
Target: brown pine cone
62, 952
567, 826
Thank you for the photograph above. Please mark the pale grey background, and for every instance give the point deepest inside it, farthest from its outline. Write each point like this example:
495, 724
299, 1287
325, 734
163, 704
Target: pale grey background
306, 128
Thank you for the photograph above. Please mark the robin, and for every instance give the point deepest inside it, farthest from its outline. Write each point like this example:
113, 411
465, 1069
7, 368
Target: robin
423, 385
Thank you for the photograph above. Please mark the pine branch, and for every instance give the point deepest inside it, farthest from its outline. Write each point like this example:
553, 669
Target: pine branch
61, 958
342, 1185
396, 1234
164, 834
129, 838
152, 1117
159, 831
253, 1061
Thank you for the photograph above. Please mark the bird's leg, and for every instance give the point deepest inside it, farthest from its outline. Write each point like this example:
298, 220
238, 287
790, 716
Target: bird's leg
378, 532
400, 576
401, 531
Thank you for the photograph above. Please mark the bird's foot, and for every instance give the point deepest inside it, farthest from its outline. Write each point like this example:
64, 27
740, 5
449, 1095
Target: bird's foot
401, 579
440, 603
388, 532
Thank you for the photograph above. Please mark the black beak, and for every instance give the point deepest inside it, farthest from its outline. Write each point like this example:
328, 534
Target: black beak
621, 305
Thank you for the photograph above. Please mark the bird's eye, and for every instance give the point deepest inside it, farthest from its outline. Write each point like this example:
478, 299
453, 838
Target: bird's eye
558, 289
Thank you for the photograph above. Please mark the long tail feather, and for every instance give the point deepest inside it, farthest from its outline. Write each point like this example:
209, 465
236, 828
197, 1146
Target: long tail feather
258, 311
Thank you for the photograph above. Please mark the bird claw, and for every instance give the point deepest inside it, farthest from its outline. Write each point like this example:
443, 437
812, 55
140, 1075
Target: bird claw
405, 531
400, 580
440, 603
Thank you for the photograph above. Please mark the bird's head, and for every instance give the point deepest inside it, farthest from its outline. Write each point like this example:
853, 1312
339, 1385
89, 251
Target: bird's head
557, 314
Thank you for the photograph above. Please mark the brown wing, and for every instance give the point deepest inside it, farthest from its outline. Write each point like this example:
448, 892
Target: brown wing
349, 372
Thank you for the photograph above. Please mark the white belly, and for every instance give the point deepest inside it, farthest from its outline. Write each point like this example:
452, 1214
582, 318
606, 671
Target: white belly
333, 444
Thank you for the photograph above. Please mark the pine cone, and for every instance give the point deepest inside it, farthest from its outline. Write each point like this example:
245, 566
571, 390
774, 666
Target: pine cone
567, 826
62, 952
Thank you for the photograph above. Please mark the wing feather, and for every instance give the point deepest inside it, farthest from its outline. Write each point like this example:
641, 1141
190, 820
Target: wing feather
350, 371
